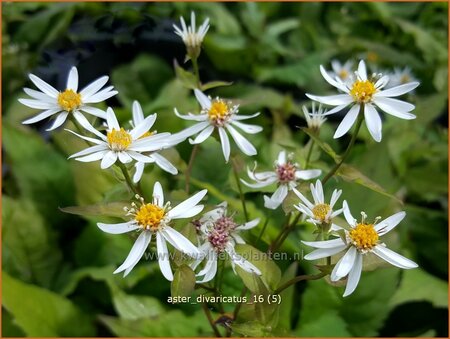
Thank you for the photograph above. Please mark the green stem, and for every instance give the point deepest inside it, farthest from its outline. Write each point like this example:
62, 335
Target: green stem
286, 232
210, 320
238, 183
308, 156
128, 180
349, 147
196, 72
297, 279
189, 168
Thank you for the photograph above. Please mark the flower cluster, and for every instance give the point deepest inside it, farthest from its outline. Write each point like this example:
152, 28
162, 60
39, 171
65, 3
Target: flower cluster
133, 144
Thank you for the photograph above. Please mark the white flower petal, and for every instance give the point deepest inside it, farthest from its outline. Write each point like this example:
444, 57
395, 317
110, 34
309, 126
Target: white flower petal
202, 99
394, 108
344, 265
347, 122
362, 72
138, 114
111, 120
281, 160
303, 199
397, 90
324, 252
183, 208
136, 252
373, 122
91, 157
180, 242
259, 184
307, 174
325, 243
354, 275
94, 111
72, 79
93, 87
333, 100
225, 142
43, 86
163, 257
240, 261
165, 164
247, 128
89, 150
393, 258
123, 227
40, 96
108, 160
203, 135
60, 119
332, 82
158, 194
245, 117
87, 125
190, 131
37, 104
92, 140
388, 224
244, 145
143, 127
124, 157
280, 193
104, 94
249, 225
190, 116
139, 166
348, 215
41, 116
334, 197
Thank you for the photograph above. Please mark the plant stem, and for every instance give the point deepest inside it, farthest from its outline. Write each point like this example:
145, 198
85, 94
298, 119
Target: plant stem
210, 320
308, 156
297, 279
196, 72
238, 183
128, 180
349, 147
288, 229
189, 168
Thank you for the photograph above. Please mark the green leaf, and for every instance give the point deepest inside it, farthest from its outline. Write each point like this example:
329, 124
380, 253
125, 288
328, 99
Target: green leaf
168, 324
418, 285
41, 313
187, 78
134, 307
111, 209
323, 145
183, 283
270, 272
251, 329
48, 183
29, 250
287, 297
215, 84
352, 174
266, 312
327, 324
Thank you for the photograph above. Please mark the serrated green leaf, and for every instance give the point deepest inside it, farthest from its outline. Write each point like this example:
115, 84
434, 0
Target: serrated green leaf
183, 283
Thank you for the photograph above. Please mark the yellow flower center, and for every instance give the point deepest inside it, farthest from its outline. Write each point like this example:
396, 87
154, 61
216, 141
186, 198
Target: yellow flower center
321, 211
219, 112
364, 236
149, 216
362, 91
343, 74
404, 79
147, 134
69, 100
119, 140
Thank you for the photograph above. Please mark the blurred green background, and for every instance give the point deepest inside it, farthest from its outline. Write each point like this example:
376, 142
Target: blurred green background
57, 268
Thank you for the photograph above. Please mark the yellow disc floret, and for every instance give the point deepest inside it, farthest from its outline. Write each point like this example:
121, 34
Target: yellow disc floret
149, 216
362, 91
219, 112
119, 140
343, 74
364, 236
321, 211
69, 100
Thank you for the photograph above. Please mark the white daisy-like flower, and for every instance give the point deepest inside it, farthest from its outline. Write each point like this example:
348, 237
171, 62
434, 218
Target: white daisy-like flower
342, 71
362, 238
367, 93
158, 159
220, 234
192, 37
223, 116
68, 102
315, 118
120, 144
400, 76
286, 174
154, 219
318, 212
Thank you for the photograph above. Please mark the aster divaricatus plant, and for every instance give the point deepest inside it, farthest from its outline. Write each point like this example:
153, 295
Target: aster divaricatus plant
218, 114
154, 218
286, 175
192, 37
365, 94
362, 238
68, 102
219, 234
